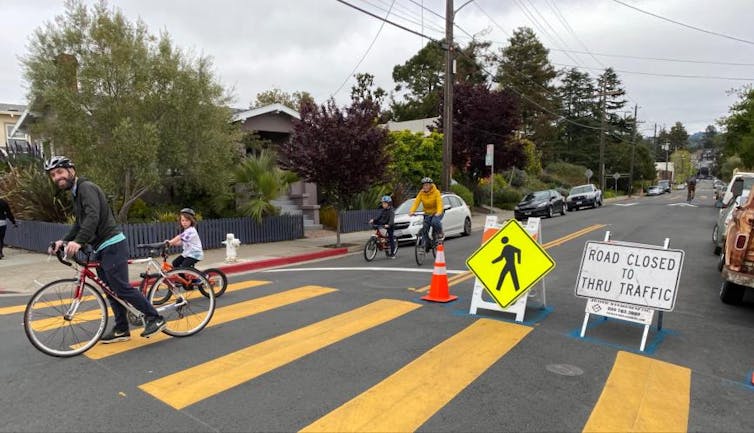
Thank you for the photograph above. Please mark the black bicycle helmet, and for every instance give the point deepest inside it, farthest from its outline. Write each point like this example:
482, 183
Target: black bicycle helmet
188, 210
427, 180
58, 162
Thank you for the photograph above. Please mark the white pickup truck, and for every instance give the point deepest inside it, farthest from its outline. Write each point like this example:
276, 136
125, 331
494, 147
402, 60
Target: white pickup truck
583, 196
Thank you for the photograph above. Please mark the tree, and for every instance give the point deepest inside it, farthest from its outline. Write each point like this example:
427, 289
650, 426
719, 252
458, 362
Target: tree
134, 112
709, 138
480, 117
678, 137
277, 96
342, 150
422, 78
739, 127
577, 144
525, 69
262, 181
413, 156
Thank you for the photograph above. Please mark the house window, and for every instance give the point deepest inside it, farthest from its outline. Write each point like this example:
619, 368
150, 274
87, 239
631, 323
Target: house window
20, 134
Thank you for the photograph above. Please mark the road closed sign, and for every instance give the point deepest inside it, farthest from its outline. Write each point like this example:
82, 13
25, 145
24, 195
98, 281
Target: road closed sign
635, 274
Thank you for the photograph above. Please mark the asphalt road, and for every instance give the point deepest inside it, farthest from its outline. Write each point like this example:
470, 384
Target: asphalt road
347, 345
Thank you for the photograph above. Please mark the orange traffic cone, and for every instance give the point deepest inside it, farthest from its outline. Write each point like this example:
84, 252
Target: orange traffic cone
438, 289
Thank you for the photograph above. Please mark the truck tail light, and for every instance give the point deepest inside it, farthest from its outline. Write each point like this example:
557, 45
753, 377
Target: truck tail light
741, 242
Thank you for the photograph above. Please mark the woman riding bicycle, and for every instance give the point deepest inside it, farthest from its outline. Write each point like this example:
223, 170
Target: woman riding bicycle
386, 219
431, 198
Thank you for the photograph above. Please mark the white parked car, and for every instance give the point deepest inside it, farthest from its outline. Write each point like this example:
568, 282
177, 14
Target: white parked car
456, 219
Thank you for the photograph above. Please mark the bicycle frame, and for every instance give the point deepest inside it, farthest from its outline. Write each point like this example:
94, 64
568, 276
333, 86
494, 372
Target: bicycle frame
85, 273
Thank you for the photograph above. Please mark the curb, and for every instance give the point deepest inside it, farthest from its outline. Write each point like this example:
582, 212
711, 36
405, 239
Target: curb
278, 261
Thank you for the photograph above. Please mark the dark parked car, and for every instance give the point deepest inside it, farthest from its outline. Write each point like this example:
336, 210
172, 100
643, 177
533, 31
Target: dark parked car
540, 203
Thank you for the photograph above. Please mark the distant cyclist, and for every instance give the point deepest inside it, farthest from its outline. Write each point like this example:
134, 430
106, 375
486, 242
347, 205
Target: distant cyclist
386, 220
431, 198
691, 187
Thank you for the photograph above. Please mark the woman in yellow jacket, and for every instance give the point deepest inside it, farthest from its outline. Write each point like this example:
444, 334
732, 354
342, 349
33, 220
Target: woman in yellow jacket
431, 198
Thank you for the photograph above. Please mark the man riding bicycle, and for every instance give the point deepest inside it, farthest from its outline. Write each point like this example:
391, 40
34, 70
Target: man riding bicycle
431, 198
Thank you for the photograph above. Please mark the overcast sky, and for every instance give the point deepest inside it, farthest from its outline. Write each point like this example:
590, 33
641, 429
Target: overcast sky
314, 45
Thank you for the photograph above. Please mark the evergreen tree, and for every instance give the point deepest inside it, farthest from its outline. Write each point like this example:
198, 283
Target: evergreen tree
524, 68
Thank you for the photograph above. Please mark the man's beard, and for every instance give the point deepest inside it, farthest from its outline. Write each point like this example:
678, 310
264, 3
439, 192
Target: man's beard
67, 185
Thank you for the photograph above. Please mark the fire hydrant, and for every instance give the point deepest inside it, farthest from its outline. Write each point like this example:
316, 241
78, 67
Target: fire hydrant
231, 246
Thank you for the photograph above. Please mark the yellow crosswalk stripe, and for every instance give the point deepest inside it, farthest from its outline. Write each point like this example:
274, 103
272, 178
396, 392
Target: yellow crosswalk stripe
57, 321
642, 395
233, 287
222, 315
195, 384
405, 400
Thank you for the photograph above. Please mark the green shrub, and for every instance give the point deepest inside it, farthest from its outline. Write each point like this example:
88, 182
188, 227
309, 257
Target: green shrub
507, 197
328, 216
568, 174
139, 211
515, 177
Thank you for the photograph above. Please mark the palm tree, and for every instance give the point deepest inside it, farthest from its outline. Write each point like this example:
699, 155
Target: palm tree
263, 181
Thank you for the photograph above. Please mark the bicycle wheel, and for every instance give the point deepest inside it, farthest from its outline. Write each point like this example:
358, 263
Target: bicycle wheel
370, 249
59, 325
419, 252
217, 279
192, 305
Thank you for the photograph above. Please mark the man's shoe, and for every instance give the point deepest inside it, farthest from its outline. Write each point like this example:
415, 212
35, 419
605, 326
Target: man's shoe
115, 336
155, 324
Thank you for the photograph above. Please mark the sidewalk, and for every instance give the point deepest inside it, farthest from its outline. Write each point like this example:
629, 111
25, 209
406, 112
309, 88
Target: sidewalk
22, 272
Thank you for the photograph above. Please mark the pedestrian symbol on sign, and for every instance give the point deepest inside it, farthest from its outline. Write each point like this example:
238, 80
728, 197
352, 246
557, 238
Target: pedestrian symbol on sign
511, 255
509, 273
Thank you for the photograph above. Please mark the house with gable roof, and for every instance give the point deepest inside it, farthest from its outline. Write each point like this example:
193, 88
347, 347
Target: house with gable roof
274, 122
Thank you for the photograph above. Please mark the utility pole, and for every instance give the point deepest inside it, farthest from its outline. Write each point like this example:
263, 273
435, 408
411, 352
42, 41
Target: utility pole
633, 152
602, 136
447, 142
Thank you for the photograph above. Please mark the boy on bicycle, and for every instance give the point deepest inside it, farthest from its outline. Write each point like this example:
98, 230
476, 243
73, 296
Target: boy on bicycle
386, 219
431, 198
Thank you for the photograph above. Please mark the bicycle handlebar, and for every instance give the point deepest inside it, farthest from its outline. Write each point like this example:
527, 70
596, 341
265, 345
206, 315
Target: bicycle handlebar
60, 254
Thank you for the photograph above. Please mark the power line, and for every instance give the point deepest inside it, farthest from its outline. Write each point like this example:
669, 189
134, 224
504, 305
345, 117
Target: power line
662, 59
710, 32
369, 48
386, 20
654, 74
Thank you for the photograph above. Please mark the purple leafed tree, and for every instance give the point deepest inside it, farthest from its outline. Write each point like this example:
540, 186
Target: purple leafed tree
480, 117
343, 151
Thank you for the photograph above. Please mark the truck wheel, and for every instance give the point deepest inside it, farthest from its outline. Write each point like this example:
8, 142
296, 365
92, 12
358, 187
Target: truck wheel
721, 261
731, 293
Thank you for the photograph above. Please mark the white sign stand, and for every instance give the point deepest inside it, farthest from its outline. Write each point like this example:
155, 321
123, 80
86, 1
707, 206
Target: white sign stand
534, 227
619, 310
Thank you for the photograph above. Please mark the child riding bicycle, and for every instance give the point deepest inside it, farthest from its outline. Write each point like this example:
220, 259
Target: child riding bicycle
386, 220
431, 198
189, 238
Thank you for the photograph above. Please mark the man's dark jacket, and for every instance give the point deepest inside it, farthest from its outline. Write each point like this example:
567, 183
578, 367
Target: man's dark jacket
95, 222
5, 212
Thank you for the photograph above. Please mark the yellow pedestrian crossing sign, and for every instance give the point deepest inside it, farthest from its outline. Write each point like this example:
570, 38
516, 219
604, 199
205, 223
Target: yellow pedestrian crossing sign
510, 263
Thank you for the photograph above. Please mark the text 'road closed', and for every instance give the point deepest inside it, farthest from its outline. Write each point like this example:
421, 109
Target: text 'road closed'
634, 274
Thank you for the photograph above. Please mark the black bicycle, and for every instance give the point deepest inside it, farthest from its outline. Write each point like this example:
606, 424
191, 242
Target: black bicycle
422, 246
